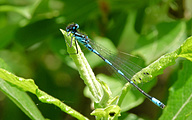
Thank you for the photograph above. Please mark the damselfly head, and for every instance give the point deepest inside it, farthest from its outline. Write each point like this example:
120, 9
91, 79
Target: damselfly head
73, 28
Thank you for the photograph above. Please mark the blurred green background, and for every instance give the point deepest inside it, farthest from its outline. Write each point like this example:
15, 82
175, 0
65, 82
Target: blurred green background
33, 46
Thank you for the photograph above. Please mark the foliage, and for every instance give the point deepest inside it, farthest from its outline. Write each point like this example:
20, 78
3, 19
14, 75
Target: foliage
156, 31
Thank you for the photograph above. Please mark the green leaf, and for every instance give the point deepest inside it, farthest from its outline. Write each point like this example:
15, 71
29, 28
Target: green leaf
30, 86
186, 49
157, 67
111, 112
44, 97
180, 96
84, 69
165, 38
19, 97
24, 84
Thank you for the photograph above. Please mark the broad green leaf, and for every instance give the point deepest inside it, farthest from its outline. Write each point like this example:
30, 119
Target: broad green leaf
157, 67
129, 36
19, 97
115, 31
179, 105
23, 84
165, 38
29, 86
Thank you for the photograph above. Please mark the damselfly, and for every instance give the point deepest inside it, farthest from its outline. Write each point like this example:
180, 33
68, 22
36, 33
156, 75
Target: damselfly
83, 39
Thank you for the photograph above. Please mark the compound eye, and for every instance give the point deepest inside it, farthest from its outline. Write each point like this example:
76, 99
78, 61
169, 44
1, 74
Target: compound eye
77, 26
67, 30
